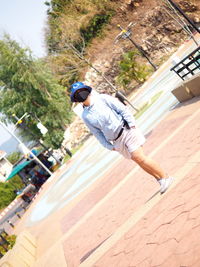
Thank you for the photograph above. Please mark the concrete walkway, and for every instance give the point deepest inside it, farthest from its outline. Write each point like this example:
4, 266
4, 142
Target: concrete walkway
120, 220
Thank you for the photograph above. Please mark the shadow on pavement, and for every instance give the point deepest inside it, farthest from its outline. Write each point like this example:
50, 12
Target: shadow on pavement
157, 192
186, 103
92, 250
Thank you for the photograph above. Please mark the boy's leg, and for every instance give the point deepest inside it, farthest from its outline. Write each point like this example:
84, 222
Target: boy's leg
153, 168
147, 164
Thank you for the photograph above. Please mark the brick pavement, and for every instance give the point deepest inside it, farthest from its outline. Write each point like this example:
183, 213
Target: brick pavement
103, 222
166, 236
117, 222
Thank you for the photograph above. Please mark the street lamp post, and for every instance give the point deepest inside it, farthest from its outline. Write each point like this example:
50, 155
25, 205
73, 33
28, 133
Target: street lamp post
19, 122
29, 151
125, 34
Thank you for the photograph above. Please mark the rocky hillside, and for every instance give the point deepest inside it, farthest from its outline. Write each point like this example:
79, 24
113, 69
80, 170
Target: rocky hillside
157, 29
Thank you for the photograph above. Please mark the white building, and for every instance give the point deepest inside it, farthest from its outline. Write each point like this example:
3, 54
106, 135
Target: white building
5, 166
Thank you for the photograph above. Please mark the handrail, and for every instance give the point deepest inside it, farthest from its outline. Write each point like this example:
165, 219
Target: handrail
188, 65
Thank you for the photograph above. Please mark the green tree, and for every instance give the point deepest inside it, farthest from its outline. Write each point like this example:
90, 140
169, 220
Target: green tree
14, 157
28, 86
7, 194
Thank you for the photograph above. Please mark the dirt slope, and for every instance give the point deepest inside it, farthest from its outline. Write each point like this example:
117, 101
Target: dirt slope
155, 31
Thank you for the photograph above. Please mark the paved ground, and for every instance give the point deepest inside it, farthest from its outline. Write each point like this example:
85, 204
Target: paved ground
120, 221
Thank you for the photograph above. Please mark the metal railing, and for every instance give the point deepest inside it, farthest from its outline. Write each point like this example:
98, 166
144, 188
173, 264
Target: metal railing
188, 66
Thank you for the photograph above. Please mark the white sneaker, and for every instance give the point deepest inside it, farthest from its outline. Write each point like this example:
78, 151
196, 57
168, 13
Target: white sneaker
165, 184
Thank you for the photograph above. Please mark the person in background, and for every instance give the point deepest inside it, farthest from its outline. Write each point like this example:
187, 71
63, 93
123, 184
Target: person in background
45, 161
115, 128
38, 179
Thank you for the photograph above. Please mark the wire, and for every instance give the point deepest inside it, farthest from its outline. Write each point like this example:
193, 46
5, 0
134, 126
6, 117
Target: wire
181, 22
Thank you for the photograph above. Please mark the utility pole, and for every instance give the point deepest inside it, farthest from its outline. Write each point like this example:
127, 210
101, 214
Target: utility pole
184, 15
29, 151
125, 34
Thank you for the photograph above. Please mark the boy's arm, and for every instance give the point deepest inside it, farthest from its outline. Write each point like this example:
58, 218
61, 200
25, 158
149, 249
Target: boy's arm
121, 109
99, 135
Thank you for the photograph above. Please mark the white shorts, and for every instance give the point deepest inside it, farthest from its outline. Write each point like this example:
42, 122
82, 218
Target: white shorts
129, 141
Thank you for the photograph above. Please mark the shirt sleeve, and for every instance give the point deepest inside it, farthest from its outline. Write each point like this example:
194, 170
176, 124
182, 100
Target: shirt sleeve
120, 108
99, 135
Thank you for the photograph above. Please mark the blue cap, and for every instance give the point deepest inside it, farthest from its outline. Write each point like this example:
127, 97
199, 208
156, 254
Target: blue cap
76, 86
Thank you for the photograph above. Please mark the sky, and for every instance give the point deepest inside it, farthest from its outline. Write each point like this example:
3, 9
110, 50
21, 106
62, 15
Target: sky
24, 21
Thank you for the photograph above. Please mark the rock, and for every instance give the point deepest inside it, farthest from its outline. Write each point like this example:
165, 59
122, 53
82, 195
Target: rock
107, 65
186, 6
196, 19
75, 134
128, 2
172, 27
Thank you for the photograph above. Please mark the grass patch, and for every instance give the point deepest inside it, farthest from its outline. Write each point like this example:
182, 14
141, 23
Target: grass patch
148, 105
73, 150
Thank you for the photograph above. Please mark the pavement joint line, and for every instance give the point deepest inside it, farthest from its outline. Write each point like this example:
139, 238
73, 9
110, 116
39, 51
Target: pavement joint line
138, 214
175, 132
125, 180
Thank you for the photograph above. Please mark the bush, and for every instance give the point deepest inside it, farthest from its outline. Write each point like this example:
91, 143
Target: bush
11, 239
7, 194
130, 69
94, 27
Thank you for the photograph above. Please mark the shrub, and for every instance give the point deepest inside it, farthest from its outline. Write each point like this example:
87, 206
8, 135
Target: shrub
94, 27
130, 69
7, 194
11, 239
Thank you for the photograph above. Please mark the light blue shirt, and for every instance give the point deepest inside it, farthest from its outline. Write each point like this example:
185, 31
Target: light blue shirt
105, 118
